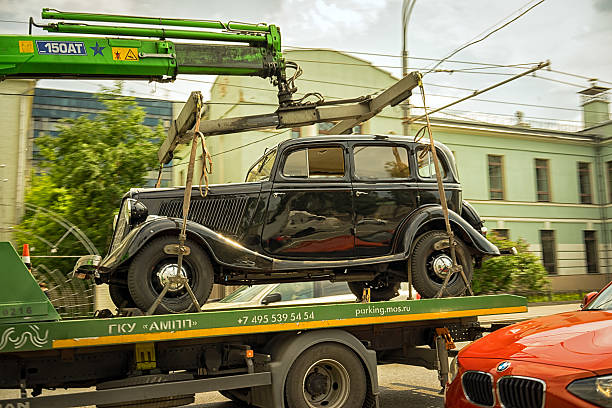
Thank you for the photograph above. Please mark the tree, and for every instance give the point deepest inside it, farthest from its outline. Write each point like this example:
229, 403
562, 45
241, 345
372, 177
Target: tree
520, 274
87, 168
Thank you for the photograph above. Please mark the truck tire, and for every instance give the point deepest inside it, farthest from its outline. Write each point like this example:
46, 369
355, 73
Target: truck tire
320, 377
377, 293
152, 265
121, 297
429, 266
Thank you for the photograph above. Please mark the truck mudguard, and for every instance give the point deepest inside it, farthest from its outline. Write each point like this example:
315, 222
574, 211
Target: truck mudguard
285, 349
417, 223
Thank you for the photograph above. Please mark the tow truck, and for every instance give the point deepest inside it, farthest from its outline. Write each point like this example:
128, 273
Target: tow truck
304, 356
316, 355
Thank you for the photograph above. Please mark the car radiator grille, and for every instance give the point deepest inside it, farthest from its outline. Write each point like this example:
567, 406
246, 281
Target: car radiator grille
478, 387
219, 214
519, 392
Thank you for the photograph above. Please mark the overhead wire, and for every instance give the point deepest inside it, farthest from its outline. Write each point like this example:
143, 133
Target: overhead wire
472, 42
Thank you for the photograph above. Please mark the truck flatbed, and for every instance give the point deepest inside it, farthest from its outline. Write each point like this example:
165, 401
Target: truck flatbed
29, 336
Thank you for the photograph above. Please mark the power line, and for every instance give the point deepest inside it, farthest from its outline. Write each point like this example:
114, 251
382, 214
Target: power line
579, 76
229, 150
399, 56
14, 21
487, 35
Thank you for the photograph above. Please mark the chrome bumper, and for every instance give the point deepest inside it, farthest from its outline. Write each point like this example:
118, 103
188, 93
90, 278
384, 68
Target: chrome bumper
86, 265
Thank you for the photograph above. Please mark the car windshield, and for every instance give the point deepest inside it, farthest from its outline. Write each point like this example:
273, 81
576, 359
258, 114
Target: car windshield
603, 300
243, 294
262, 169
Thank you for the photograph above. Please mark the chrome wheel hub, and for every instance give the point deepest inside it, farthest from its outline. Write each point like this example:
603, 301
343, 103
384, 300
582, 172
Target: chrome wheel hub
167, 274
441, 265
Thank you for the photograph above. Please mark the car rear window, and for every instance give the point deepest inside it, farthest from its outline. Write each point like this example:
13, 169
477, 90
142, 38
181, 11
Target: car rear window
426, 165
381, 162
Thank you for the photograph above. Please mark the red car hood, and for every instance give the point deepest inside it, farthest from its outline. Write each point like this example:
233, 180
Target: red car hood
581, 339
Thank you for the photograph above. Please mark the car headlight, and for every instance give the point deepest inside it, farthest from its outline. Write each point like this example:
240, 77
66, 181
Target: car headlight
596, 390
454, 368
137, 212
132, 213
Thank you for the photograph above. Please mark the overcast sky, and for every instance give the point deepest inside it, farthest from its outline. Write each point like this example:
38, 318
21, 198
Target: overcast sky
576, 36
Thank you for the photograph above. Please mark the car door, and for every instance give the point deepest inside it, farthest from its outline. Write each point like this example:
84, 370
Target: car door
384, 194
428, 186
310, 209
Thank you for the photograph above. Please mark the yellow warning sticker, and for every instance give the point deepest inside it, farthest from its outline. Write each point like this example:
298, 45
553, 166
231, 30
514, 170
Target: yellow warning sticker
125, 54
26, 46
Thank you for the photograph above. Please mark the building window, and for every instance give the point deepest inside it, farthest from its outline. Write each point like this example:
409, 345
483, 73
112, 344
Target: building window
584, 181
324, 128
503, 233
542, 180
496, 177
549, 254
590, 247
609, 166
295, 133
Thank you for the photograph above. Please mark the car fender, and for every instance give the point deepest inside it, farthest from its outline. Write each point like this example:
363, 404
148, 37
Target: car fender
418, 222
223, 250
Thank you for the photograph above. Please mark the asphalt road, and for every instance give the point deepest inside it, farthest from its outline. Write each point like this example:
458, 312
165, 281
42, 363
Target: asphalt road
400, 386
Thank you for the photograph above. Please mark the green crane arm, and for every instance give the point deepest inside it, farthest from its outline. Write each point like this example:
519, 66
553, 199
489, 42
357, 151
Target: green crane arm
144, 52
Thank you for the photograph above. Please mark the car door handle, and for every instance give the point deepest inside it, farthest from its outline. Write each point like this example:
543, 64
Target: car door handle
278, 195
358, 193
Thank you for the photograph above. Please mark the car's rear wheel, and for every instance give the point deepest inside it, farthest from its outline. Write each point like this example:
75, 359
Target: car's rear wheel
430, 265
379, 291
151, 267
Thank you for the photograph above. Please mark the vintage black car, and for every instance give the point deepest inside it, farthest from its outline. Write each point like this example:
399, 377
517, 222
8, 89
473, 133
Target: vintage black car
362, 209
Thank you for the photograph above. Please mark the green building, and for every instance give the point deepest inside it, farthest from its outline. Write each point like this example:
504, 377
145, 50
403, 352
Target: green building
550, 188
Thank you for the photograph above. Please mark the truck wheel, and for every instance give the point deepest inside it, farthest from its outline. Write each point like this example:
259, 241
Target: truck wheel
377, 293
320, 377
151, 268
430, 266
121, 297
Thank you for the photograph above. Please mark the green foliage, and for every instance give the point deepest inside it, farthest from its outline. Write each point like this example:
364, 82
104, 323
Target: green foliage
86, 170
519, 274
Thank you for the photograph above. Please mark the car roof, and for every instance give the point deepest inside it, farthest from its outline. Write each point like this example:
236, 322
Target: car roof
357, 138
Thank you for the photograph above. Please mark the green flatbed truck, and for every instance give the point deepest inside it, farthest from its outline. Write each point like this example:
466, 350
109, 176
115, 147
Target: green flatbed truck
318, 355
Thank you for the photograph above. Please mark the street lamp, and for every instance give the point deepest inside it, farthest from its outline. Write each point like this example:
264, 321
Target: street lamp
407, 7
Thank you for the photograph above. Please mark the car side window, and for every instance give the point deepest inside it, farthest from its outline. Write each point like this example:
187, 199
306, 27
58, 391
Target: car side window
327, 288
381, 162
295, 290
426, 165
315, 162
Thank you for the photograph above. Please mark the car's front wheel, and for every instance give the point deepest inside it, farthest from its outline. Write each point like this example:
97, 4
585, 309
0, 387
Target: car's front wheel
151, 268
431, 265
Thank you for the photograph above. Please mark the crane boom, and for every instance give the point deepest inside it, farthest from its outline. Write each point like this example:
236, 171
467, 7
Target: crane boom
145, 53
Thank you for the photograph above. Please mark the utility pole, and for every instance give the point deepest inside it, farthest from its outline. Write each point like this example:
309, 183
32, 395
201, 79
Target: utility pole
407, 6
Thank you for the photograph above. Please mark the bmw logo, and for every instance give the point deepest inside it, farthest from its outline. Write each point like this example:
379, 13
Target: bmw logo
503, 366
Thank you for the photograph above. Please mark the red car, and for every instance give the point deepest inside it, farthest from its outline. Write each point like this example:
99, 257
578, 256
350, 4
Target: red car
558, 361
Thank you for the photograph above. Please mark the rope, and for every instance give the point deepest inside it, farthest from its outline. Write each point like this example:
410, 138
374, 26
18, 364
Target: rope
451, 237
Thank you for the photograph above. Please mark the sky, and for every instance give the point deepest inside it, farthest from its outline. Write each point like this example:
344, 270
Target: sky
575, 36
